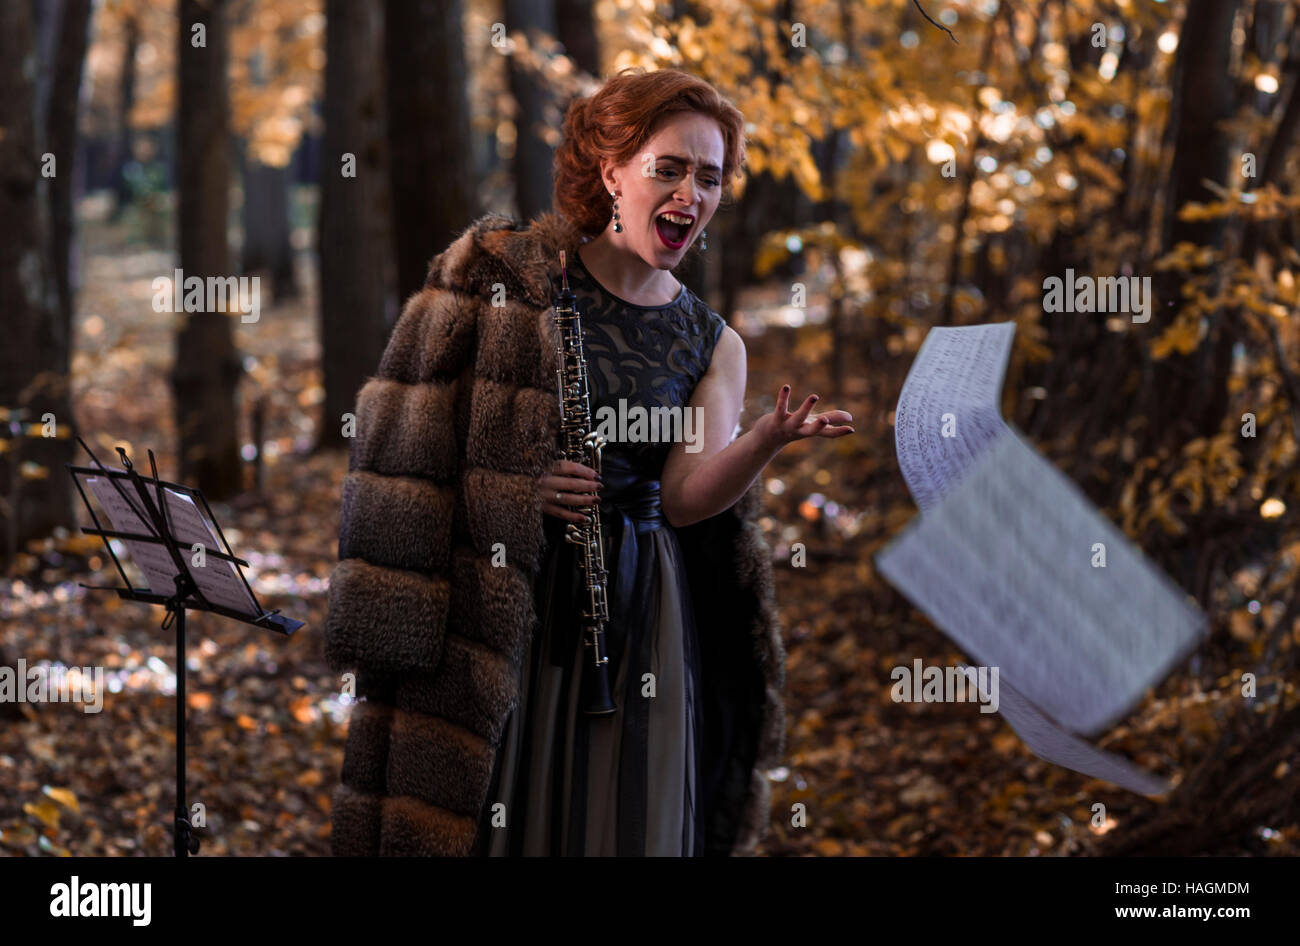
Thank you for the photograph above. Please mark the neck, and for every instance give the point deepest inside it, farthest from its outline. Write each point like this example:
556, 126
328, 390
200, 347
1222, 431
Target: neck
626, 274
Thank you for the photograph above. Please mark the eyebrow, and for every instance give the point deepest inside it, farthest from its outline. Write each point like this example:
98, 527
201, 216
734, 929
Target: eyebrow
679, 160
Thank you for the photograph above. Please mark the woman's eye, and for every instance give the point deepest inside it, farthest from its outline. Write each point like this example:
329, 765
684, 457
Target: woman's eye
707, 182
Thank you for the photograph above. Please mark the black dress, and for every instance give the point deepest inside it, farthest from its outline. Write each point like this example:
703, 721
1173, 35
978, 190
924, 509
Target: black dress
626, 784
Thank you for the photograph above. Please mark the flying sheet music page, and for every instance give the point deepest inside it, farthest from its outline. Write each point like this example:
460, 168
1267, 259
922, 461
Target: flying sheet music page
1005, 565
1053, 744
955, 382
219, 580
1006, 560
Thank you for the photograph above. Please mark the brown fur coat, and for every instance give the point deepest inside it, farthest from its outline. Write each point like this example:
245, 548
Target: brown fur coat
451, 436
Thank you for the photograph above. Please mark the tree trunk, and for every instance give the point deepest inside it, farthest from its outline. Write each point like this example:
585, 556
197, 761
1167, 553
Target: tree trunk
766, 199
267, 250
34, 358
1274, 157
428, 132
577, 25
355, 238
1192, 398
61, 140
533, 156
207, 366
122, 151
32, 363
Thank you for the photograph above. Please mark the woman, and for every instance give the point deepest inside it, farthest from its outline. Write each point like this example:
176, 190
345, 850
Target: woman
694, 649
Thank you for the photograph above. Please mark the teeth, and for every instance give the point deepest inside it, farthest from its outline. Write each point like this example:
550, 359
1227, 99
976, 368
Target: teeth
677, 218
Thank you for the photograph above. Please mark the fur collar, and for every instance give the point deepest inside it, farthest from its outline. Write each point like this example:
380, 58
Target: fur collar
496, 250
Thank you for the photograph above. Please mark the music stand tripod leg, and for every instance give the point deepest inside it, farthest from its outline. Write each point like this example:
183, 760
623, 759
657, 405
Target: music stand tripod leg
184, 842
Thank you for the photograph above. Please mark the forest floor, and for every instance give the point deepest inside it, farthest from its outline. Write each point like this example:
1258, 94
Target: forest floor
266, 724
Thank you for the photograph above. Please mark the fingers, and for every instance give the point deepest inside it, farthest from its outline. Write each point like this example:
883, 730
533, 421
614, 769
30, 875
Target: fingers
832, 430
569, 484
578, 486
568, 498
829, 424
569, 468
782, 410
560, 512
801, 414
802, 423
791, 425
571, 507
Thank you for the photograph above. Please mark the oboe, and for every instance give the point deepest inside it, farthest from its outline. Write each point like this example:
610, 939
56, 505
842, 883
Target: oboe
580, 444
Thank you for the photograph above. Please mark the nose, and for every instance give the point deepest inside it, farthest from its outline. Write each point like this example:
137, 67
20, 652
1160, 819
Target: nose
686, 187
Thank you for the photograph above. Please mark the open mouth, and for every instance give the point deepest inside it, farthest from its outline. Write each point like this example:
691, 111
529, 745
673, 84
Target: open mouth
673, 228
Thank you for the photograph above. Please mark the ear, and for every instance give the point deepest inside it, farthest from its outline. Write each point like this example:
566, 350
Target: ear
608, 177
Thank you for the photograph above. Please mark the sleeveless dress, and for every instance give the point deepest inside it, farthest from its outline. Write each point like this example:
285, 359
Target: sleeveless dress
628, 783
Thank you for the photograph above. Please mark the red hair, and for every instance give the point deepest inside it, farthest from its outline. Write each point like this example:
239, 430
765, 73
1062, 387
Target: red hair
616, 121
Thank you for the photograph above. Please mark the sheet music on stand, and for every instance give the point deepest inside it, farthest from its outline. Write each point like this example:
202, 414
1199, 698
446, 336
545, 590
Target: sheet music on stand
218, 580
188, 567
1003, 560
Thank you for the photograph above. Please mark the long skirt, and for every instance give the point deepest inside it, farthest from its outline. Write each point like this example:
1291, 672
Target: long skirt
624, 784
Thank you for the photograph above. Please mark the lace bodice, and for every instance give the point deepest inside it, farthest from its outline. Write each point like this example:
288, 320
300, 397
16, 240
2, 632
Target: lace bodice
647, 357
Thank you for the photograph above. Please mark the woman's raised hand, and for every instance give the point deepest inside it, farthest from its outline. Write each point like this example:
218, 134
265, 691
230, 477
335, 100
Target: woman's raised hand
576, 486
781, 427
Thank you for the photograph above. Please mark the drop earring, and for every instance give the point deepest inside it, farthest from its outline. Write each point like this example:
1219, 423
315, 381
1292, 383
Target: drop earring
618, 227
704, 240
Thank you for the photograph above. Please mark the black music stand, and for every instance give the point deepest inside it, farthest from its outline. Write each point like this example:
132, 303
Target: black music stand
130, 487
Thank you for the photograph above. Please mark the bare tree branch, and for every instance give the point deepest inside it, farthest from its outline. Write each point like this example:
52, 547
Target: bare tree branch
931, 19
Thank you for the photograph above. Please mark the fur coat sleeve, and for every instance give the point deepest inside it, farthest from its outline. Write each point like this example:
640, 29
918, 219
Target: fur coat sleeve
452, 433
